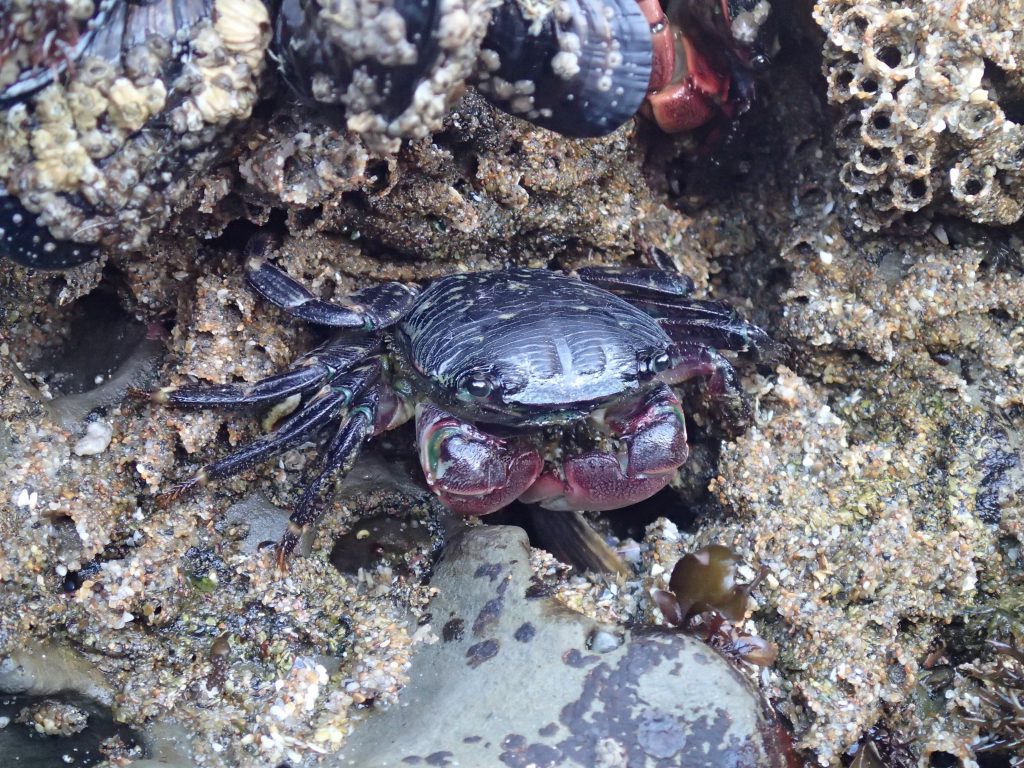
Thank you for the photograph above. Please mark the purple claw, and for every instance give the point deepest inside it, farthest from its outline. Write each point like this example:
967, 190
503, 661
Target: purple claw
653, 430
472, 472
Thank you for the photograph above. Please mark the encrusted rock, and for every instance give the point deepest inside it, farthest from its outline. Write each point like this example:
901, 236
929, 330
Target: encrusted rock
929, 93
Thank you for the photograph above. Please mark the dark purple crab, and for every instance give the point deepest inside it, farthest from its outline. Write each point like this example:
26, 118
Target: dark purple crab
524, 383
110, 109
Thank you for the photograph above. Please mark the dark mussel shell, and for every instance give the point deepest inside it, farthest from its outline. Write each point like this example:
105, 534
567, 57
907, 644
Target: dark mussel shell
394, 66
24, 241
578, 67
100, 133
38, 40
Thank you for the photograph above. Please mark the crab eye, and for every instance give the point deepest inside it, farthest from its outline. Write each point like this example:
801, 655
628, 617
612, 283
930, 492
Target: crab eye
478, 385
656, 363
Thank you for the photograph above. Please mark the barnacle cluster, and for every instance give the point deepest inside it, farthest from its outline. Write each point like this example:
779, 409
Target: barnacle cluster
364, 57
110, 109
929, 93
71, 127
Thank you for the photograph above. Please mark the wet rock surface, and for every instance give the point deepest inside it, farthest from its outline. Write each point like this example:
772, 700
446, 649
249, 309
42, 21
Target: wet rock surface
517, 680
66, 730
881, 482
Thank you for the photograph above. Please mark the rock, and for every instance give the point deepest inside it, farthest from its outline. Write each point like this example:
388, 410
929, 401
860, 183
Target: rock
96, 440
517, 681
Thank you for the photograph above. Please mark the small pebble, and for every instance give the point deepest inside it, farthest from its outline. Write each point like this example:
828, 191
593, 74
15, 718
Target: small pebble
96, 440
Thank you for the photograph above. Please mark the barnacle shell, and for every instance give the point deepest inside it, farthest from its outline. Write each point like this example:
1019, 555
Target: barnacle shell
98, 149
580, 67
38, 38
395, 66
934, 88
102, 130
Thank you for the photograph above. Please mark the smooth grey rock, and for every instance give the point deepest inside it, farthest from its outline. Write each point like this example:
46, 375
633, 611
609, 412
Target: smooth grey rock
513, 682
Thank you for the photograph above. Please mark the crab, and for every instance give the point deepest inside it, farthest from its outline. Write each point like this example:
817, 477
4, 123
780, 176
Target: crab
704, 55
525, 384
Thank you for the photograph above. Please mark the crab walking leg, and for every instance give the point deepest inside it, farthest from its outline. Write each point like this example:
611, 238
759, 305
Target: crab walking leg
370, 309
653, 430
629, 282
692, 360
472, 472
714, 323
664, 295
321, 410
305, 375
663, 62
685, 90
357, 427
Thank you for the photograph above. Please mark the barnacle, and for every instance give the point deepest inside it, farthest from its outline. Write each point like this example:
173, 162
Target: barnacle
75, 156
108, 111
934, 82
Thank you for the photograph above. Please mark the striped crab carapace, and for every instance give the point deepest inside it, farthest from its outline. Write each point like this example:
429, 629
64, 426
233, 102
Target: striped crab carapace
524, 383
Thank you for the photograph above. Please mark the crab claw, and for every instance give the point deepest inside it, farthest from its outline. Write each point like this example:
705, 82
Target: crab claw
686, 89
653, 431
473, 473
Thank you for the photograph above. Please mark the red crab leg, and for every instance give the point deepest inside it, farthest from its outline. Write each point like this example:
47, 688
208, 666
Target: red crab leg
685, 90
694, 99
653, 431
664, 58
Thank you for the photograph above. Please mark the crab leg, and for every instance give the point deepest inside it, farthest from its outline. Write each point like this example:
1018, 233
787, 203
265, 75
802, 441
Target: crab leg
369, 309
638, 282
356, 428
663, 295
324, 408
307, 374
695, 359
714, 323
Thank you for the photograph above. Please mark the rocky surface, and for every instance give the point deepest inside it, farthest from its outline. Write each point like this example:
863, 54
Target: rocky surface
882, 480
518, 680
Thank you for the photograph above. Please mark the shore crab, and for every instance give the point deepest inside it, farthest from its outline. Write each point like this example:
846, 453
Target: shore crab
704, 58
110, 109
524, 384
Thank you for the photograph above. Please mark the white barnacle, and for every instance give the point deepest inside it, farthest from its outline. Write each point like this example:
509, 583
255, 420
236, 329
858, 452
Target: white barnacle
565, 65
570, 42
